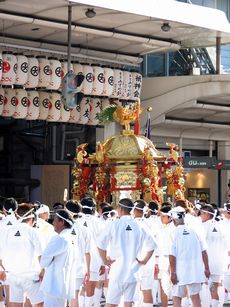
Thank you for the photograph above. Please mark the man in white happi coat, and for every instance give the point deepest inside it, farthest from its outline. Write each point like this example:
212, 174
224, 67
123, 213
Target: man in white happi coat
20, 248
45, 229
95, 227
146, 272
226, 223
188, 260
58, 283
125, 239
164, 237
81, 239
217, 249
9, 209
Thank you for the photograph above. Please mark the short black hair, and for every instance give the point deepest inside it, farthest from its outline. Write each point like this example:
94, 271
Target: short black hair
67, 216
165, 209
208, 208
10, 204
126, 204
73, 206
58, 206
139, 204
90, 203
153, 207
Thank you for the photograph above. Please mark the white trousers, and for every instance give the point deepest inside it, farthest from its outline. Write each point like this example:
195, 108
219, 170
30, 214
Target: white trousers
51, 301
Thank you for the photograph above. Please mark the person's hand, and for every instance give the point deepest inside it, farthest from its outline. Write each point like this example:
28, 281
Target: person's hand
156, 271
102, 270
86, 277
41, 274
2, 275
207, 273
174, 278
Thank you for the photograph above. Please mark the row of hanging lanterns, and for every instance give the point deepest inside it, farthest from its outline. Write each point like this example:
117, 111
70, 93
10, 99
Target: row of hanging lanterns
31, 104
37, 72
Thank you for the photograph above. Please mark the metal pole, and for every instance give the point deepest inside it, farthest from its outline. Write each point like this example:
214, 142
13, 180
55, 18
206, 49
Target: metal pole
218, 41
69, 34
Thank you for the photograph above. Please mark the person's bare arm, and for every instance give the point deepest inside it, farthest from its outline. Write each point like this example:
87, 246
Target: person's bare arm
206, 265
172, 262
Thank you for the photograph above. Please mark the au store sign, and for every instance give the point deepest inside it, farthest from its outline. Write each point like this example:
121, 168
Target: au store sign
199, 162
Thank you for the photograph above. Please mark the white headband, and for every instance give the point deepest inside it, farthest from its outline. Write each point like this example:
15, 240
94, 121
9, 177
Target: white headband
165, 213
27, 215
63, 218
214, 214
87, 207
121, 205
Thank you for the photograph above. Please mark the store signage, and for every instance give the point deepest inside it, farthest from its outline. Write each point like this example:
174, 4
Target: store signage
199, 162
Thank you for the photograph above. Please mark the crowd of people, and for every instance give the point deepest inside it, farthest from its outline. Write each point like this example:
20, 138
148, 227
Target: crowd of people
136, 254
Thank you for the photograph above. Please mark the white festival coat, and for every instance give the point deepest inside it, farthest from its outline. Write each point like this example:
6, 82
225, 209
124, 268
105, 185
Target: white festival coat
58, 261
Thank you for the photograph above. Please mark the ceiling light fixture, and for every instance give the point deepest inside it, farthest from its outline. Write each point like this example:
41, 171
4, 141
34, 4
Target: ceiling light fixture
90, 13
166, 27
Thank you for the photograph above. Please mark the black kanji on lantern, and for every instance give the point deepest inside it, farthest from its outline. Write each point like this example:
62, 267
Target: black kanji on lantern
46, 70
15, 67
58, 71
36, 101
24, 67
86, 114
89, 77
1, 99
58, 104
101, 78
24, 101
34, 71
13, 101
45, 103
110, 80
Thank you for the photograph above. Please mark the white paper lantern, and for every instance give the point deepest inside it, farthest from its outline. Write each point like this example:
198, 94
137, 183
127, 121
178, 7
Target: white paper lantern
64, 65
109, 79
33, 72
21, 103
54, 107
98, 80
105, 103
1, 100
22, 69
95, 107
78, 69
55, 74
64, 114
9, 68
75, 115
1, 63
33, 105
87, 85
117, 84
9, 102
44, 98
127, 85
136, 85
44, 71
85, 110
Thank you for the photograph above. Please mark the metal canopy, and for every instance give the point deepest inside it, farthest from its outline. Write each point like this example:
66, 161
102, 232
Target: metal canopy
121, 30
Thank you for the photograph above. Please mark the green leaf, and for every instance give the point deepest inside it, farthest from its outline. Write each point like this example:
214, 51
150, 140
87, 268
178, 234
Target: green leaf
106, 115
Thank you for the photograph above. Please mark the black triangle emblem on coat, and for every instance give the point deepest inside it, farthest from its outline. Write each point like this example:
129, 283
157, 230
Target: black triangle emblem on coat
17, 234
9, 223
185, 232
73, 232
85, 224
128, 228
214, 230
